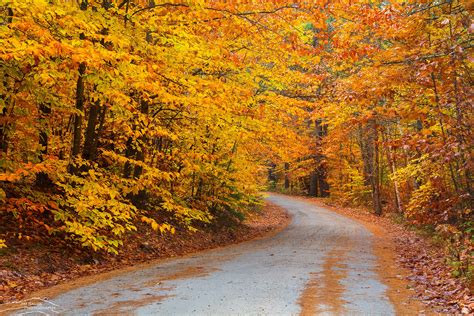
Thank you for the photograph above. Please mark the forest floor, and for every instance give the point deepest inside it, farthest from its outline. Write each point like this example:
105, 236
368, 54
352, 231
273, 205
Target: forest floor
26, 268
422, 261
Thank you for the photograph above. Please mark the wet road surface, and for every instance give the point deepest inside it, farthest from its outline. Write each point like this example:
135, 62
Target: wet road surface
322, 263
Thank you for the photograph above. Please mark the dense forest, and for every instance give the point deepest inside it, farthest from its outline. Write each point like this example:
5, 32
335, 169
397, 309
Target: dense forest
116, 111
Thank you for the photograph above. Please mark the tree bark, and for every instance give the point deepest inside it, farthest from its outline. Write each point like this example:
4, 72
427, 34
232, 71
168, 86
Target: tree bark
318, 179
77, 128
313, 184
368, 143
323, 184
376, 176
4, 127
393, 170
80, 98
90, 140
129, 153
99, 130
140, 153
42, 178
287, 178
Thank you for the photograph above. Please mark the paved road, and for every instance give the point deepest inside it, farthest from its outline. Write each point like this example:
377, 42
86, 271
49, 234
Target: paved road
322, 263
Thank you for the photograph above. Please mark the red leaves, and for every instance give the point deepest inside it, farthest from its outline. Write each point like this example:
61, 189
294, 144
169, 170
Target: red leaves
25, 206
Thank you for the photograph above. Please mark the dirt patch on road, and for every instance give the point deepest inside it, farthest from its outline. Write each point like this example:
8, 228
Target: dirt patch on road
27, 269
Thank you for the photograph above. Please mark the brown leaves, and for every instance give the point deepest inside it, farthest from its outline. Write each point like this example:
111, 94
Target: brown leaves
431, 277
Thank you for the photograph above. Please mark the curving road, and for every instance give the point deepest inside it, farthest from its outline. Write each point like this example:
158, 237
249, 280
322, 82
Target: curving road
321, 264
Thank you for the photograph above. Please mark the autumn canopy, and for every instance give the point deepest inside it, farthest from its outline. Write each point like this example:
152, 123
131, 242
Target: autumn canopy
115, 112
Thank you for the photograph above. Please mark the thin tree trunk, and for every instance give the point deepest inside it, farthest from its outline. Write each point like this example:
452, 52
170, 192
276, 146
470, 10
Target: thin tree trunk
99, 130
323, 184
140, 154
321, 173
77, 129
368, 143
42, 178
91, 135
366, 153
80, 99
393, 170
129, 153
376, 173
4, 126
287, 178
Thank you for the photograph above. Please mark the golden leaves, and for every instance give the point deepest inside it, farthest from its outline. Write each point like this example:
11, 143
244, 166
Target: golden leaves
192, 98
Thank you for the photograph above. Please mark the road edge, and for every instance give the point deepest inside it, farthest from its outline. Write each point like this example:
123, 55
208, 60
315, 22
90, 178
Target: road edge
81, 281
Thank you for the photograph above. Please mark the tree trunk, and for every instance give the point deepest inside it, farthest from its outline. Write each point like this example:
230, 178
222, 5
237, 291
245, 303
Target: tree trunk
140, 154
313, 184
393, 170
376, 173
366, 153
42, 178
77, 129
287, 178
99, 130
129, 153
91, 135
4, 127
323, 184
370, 156
321, 173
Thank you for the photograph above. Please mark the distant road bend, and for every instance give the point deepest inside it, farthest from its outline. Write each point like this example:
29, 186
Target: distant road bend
322, 263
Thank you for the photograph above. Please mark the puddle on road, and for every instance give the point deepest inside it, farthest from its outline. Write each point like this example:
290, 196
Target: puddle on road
323, 292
